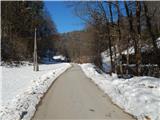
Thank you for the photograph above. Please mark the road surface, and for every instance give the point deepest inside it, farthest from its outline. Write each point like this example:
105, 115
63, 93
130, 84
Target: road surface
74, 96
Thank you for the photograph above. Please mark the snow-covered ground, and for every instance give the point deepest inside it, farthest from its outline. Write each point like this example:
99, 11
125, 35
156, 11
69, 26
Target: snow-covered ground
139, 96
22, 88
106, 64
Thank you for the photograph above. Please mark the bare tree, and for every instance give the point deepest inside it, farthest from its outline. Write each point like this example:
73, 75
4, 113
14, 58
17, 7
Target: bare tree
138, 40
119, 36
148, 22
130, 20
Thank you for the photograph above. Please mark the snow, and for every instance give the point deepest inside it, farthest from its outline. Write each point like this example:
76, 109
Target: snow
106, 64
59, 57
106, 58
22, 89
139, 96
130, 51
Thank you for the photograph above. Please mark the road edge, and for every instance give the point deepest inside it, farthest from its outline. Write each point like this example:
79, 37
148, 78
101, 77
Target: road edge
36, 107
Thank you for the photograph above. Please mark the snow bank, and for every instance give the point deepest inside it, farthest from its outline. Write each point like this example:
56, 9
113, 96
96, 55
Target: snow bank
23, 105
16, 80
139, 96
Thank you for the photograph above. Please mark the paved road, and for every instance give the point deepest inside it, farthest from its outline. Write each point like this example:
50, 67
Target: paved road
74, 96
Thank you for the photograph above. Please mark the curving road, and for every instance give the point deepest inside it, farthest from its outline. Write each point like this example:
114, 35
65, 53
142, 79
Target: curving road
74, 96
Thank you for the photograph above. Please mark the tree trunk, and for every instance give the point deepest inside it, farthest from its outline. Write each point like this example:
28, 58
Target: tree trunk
115, 59
127, 70
119, 38
137, 42
36, 68
149, 26
131, 32
110, 51
110, 43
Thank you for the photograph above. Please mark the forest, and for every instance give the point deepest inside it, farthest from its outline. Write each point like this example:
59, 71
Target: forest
116, 27
19, 20
110, 26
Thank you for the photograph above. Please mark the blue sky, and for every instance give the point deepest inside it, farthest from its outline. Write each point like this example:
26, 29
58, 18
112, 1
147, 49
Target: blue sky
63, 16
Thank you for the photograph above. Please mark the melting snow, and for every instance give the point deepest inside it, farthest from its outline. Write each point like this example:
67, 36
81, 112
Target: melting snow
22, 89
139, 96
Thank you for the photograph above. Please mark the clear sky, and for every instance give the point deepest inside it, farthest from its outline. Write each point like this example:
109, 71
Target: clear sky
63, 16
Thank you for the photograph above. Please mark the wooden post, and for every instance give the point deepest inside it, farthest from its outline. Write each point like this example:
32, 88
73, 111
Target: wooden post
36, 68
